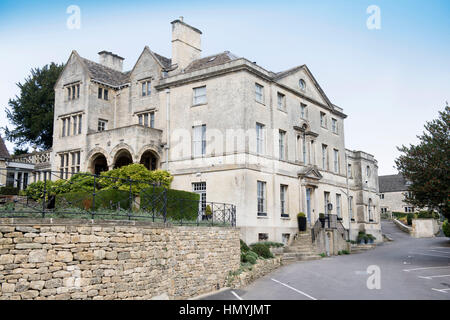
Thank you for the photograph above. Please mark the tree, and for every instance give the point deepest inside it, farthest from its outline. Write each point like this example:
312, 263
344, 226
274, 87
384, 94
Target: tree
427, 165
19, 151
31, 112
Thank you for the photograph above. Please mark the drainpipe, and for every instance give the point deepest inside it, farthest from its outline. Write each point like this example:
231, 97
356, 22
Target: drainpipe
167, 146
348, 199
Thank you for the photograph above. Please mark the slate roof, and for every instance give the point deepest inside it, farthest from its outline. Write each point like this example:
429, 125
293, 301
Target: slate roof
113, 77
166, 62
392, 183
210, 61
106, 75
3, 150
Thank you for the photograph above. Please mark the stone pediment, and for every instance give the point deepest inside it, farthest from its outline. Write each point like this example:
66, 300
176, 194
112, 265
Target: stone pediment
311, 172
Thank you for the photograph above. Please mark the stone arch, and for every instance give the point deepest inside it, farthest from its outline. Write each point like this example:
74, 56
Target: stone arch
98, 163
123, 157
149, 157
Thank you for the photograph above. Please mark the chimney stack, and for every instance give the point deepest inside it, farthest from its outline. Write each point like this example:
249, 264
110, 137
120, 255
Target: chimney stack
111, 60
186, 43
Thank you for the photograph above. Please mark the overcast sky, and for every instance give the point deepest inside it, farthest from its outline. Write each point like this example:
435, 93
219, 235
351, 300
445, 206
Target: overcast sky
389, 81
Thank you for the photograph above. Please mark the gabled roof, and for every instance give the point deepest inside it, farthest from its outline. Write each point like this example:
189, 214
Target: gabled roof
3, 150
211, 61
280, 75
166, 62
106, 75
392, 183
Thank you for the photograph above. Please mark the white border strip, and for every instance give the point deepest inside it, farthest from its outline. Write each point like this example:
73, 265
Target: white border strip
235, 294
426, 268
288, 286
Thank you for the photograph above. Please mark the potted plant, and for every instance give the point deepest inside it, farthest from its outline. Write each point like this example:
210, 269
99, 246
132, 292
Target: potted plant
370, 238
322, 219
208, 212
301, 218
361, 237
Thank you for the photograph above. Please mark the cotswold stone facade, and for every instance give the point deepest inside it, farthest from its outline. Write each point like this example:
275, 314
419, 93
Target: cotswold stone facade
271, 143
393, 193
72, 259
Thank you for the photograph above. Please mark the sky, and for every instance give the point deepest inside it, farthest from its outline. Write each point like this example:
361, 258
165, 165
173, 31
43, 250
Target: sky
389, 80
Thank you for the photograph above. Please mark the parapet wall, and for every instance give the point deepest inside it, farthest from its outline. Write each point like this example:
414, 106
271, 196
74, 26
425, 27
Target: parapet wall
85, 259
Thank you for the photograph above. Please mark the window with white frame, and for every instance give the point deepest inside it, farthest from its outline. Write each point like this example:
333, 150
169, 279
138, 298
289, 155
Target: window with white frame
283, 200
146, 88
282, 144
326, 197
64, 165
303, 111
261, 197
324, 157
199, 95
200, 188
323, 120
338, 205
101, 125
75, 165
199, 140
409, 209
63, 131
259, 93
281, 101
334, 125
381, 195
260, 138
147, 119
336, 160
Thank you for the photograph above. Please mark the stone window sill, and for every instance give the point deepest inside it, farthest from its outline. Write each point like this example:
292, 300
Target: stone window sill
199, 104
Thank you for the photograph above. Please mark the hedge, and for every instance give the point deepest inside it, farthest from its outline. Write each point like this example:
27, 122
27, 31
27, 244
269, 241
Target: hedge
9, 191
105, 199
181, 205
446, 228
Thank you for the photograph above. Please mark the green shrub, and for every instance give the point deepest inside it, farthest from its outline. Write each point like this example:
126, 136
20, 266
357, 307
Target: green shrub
301, 215
139, 173
271, 244
345, 252
250, 257
446, 228
244, 246
104, 199
9, 191
180, 204
262, 250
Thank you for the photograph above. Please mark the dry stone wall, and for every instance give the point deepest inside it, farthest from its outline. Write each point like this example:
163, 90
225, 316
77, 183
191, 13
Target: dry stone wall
75, 259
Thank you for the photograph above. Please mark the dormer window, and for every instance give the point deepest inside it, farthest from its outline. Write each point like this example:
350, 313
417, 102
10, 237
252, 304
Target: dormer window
146, 88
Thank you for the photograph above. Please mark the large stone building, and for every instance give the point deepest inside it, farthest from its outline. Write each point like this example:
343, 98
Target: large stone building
393, 193
271, 143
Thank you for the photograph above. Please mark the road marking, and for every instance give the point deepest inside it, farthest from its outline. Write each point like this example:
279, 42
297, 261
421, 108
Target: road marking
426, 268
235, 294
431, 255
296, 290
446, 252
441, 290
430, 277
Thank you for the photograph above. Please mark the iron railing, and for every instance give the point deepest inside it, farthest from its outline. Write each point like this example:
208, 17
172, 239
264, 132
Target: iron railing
104, 197
329, 221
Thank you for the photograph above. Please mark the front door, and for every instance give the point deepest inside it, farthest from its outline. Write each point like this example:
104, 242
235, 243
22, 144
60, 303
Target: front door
308, 204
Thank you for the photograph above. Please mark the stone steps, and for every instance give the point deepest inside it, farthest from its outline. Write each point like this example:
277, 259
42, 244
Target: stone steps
301, 249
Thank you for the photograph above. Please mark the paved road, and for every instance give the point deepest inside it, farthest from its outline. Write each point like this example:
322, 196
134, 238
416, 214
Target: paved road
409, 269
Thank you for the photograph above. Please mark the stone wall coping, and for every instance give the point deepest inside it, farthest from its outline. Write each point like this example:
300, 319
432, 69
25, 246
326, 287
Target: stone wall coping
91, 222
